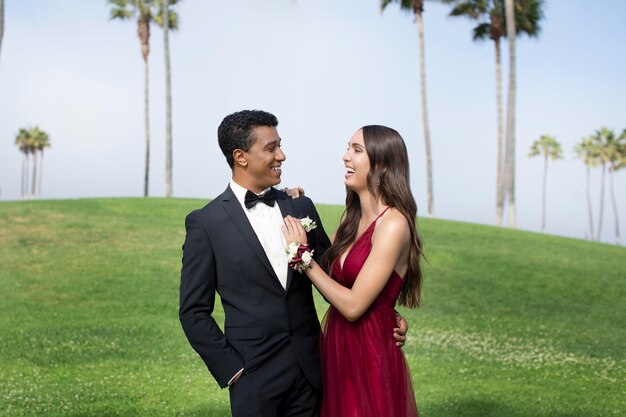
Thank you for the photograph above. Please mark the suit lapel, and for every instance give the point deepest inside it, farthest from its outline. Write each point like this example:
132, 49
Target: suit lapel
286, 208
241, 222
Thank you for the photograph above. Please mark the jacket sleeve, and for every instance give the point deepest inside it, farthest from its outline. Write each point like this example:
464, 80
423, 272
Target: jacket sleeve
197, 299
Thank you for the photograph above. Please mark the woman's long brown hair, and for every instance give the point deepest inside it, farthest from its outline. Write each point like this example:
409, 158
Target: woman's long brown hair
389, 178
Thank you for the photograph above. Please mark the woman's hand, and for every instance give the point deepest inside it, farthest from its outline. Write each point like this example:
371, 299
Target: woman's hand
293, 231
294, 192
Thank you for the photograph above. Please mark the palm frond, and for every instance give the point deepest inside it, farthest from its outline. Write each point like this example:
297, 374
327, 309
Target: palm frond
119, 3
481, 10
121, 14
587, 150
546, 146
21, 139
474, 9
173, 17
482, 32
405, 5
384, 4
528, 15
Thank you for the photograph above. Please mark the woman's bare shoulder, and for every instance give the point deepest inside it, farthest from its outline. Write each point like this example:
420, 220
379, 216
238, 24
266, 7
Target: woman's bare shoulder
392, 225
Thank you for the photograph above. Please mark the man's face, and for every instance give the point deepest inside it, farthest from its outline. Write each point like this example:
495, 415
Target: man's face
264, 159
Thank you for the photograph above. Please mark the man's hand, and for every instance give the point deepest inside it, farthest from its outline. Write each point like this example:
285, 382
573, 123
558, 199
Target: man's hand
399, 333
294, 192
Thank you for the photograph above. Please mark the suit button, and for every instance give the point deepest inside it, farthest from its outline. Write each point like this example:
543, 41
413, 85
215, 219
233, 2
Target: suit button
290, 333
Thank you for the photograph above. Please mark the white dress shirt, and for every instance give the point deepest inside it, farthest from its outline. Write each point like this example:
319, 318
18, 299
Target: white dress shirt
266, 222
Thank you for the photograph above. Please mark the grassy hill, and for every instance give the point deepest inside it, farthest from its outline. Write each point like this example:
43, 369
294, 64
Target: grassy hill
514, 324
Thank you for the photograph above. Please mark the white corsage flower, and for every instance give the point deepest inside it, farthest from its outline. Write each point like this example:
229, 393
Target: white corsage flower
292, 250
306, 258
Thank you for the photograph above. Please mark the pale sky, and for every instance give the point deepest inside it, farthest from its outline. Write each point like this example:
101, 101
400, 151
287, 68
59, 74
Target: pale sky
324, 68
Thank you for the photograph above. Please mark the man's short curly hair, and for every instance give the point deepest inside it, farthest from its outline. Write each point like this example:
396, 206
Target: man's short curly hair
235, 131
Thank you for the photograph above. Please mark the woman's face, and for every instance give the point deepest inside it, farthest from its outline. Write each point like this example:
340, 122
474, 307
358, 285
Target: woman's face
357, 163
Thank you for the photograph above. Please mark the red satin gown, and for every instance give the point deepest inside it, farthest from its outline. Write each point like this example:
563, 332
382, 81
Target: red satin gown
364, 372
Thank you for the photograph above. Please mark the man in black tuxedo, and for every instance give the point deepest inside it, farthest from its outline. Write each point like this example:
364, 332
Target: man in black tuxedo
267, 353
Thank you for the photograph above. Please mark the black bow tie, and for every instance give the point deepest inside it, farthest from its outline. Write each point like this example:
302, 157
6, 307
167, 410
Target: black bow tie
268, 198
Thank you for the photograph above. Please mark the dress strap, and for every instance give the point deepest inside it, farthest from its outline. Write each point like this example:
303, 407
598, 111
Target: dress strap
388, 207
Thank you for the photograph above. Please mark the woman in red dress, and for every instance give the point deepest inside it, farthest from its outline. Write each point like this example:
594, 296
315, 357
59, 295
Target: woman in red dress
373, 262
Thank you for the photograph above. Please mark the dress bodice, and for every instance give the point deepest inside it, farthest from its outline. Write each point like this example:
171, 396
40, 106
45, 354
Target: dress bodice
347, 273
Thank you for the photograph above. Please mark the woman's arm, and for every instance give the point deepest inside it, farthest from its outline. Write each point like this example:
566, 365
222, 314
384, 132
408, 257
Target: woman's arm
390, 243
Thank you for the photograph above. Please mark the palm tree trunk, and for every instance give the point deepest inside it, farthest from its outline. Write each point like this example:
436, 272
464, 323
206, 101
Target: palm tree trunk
146, 127
40, 173
543, 204
601, 204
1, 22
25, 175
589, 203
143, 30
500, 156
617, 237
510, 120
168, 102
429, 162
34, 179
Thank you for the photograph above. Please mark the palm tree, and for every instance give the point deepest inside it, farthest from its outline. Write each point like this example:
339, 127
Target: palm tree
612, 150
41, 141
31, 164
147, 11
32, 141
492, 25
548, 147
587, 151
22, 141
603, 138
167, 15
509, 161
417, 7
144, 11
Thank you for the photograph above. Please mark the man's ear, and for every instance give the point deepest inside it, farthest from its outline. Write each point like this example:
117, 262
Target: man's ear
239, 157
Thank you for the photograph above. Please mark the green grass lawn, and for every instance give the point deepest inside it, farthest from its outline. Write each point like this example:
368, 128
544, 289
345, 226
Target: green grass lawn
513, 324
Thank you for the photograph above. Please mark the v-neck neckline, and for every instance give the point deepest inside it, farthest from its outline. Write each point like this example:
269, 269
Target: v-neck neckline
342, 263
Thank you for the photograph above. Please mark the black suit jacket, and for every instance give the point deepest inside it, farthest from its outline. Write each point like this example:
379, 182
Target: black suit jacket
222, 254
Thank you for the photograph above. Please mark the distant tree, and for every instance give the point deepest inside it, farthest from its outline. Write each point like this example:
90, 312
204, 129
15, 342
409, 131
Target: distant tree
22, 140
548, 147
509, 161
41, 141
167, 15
417, 8
144, 11
492, 25
125, 9
603, 138
587, 151
612, 149
32, 142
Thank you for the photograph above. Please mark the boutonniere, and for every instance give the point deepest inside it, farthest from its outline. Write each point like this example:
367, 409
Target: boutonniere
308, 224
